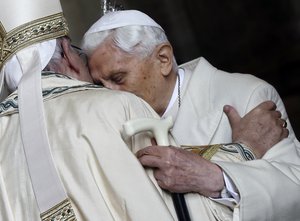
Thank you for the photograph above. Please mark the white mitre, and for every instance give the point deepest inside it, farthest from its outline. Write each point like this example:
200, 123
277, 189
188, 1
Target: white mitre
28, 29
23, 25
117, 19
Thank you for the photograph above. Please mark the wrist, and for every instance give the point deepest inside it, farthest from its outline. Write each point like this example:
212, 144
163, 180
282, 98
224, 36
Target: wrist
249, 150
218, 183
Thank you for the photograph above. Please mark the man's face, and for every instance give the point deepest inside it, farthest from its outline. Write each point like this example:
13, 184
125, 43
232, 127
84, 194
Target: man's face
120, 71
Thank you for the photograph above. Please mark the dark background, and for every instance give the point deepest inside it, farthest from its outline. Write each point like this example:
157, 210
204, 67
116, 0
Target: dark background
261, 37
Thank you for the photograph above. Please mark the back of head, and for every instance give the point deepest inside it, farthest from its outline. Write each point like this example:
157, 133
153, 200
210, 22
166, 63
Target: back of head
130, 30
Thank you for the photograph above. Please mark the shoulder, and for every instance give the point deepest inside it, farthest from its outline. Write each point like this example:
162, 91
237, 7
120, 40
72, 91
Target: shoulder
109, 103
190, 64
222, 87
217, 78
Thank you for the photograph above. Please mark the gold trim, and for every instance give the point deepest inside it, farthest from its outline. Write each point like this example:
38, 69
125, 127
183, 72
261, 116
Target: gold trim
39, 30
2, 36
2, 30
206, 151
60, 212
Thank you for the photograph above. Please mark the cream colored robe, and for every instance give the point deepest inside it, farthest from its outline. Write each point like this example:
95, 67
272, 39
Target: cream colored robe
269, 188
100, 173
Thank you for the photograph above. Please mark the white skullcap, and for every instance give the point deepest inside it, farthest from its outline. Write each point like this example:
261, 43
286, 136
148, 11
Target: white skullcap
119, 19
12, 71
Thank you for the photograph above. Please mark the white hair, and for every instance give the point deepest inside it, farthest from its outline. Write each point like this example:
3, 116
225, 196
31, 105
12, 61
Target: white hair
133, 39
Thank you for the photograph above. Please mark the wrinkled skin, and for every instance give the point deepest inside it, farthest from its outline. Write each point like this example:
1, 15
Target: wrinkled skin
260, 129
181, 171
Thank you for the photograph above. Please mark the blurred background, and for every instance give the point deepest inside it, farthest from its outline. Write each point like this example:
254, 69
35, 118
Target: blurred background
261, 37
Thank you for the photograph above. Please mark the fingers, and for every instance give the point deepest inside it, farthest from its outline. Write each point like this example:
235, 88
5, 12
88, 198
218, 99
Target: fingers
151, 150
267, 105
153, 142
282, 123
233, 116
277, 114
149, 157
285, 133
154, 156
281, 127
150, 161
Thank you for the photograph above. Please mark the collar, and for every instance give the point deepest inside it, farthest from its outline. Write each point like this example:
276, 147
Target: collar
53, 84
180, 74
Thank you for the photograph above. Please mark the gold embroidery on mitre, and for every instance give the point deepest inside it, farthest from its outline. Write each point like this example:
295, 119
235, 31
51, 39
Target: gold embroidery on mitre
2, 36
39, 30
61, 212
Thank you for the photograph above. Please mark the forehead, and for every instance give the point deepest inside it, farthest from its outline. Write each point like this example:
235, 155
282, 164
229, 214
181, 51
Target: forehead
108, 56
108, 60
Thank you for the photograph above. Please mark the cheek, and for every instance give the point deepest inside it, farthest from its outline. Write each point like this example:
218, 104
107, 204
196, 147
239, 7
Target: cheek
96, 73
146, 89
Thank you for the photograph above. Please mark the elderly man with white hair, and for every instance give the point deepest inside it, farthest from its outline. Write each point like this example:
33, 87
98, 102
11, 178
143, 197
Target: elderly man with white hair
129, 51
62, 156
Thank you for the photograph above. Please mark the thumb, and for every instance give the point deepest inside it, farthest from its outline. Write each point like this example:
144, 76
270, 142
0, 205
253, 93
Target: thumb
153, 142
233, 116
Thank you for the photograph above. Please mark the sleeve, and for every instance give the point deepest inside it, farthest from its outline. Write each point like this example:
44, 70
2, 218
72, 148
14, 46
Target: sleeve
270, 187
229, 195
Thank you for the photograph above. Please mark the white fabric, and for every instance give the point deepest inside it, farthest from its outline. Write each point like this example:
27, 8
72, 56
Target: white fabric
15, 13
231, 188
47, 186
175, 91
100, 172
13, 72
28, 64
119, 19
201, 121
234, 198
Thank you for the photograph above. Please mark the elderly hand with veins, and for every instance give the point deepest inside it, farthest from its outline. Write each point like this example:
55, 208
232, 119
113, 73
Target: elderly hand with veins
181, 171
260, 129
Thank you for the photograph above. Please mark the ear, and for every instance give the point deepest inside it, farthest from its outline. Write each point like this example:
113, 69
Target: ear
165, 56
71, 56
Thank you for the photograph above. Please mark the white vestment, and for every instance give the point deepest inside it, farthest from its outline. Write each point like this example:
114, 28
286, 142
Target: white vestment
269, 188
99, 171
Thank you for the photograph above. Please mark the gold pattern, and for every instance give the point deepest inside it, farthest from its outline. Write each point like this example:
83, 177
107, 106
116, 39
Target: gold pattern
61, 212
206, 151
2, 36
42, 29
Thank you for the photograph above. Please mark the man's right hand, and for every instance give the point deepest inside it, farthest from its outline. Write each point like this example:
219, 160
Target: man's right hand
260, 129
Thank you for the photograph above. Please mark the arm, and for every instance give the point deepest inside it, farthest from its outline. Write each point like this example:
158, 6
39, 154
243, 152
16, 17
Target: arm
272, 181
174, 166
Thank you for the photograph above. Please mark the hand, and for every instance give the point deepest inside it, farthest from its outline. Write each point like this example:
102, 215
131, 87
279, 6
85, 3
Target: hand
260, 129
181, 171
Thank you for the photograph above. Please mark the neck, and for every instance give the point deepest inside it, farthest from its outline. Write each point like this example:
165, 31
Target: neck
175, 102
167, 94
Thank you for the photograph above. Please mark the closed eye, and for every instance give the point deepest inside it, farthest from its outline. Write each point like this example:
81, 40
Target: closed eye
118, 78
